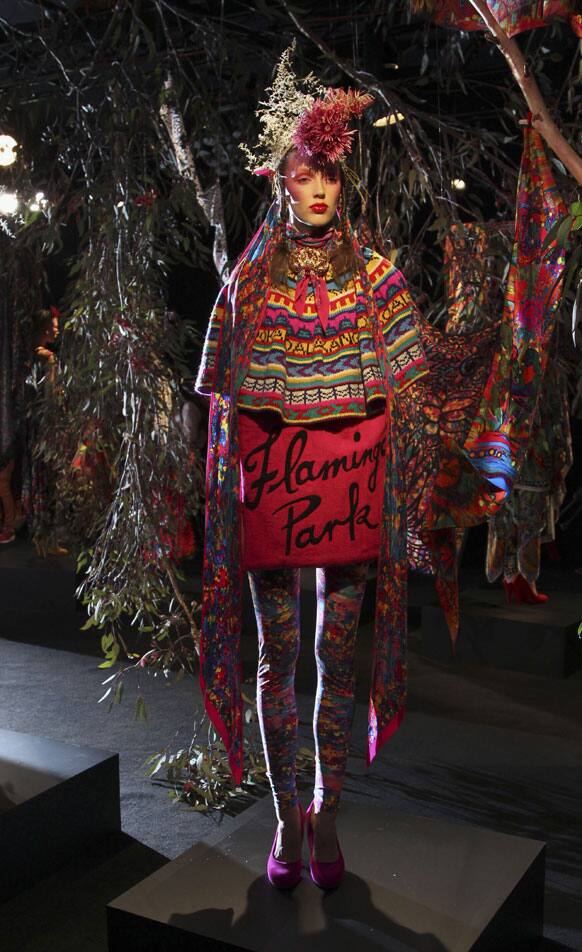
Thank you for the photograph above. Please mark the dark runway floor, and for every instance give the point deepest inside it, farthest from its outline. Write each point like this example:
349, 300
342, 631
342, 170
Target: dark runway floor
494, 748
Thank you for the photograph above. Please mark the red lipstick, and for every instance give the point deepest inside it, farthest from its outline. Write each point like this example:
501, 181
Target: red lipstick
318, 207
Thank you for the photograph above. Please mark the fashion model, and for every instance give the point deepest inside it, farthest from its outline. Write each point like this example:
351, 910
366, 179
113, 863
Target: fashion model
317, 372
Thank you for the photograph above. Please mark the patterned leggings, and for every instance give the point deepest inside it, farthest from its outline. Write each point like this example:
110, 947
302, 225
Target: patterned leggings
340, 590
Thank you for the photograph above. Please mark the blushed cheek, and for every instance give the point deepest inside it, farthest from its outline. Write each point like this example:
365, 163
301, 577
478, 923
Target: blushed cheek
294, 194
299, 203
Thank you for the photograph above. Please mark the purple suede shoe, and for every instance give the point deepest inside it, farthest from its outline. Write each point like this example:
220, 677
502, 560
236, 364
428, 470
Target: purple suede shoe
324, 875
285, 875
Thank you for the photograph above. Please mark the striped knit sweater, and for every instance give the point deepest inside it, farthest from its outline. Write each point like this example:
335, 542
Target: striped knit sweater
305, 373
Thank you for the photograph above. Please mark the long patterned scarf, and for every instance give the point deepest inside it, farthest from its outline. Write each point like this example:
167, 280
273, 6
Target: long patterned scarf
220, 665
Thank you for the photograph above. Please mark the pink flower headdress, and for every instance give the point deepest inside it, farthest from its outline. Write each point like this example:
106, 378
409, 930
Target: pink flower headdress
304, 114
322, 134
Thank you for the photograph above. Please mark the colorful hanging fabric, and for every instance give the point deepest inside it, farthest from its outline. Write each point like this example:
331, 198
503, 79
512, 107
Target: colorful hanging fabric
465, 273
529, 516
514, 16
474, 478
475, 254
446, 405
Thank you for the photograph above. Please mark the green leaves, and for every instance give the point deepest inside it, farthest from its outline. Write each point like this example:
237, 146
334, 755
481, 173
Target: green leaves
155, 764
562, 230
111, 648
141, 713
576, 213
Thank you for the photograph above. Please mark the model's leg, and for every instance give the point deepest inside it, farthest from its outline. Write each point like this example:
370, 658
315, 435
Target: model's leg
276, 600
340, 592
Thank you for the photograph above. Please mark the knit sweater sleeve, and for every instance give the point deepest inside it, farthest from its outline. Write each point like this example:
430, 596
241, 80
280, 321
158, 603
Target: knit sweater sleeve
205, 379
399, 319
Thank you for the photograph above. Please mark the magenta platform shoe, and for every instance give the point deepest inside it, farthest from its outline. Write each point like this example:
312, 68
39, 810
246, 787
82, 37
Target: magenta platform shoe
324, 875
285, 875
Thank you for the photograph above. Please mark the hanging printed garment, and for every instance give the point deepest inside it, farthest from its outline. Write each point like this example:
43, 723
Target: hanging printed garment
529, 516
514, 16
474, 266
476, 477
460, 365
499, 435
474, 263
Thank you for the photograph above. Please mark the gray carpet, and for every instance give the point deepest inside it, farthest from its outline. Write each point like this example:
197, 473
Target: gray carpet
497, 749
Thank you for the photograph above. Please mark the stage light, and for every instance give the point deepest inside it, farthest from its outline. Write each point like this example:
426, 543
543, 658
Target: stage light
7, 154
459, 184
8, 203
40, 202
390, 120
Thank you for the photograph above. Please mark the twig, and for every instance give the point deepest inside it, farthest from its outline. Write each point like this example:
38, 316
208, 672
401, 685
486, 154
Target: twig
182, 602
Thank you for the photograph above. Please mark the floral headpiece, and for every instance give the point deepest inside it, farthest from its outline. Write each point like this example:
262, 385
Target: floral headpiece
304, 114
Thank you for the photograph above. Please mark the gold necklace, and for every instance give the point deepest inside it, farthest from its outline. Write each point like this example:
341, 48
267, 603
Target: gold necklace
303, 258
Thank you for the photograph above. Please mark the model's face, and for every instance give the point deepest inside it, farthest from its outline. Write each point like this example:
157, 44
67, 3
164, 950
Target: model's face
312, 195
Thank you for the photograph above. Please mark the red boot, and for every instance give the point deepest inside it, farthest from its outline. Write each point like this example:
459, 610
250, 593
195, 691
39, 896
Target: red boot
521, 590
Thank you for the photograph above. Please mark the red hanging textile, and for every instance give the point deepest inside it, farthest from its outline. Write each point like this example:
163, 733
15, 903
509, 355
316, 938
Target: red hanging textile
514, 16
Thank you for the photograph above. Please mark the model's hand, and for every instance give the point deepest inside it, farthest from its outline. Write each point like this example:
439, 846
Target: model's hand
46, 353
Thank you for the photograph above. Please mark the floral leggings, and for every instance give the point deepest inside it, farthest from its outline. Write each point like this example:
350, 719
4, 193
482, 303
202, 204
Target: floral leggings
340, 591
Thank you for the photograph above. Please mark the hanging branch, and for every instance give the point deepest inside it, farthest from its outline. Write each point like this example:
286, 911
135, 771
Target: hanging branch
210, 199
541, 118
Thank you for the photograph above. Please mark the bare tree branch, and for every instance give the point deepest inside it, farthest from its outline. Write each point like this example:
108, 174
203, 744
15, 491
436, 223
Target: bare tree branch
210, 199
541, 118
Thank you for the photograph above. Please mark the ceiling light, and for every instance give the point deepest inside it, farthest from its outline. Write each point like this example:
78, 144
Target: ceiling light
390, 120
8, 203
7, 154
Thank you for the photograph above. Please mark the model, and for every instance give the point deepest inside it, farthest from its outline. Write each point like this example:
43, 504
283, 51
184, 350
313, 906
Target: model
312, 353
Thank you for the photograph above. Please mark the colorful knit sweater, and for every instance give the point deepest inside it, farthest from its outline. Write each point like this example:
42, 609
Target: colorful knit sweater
306, 372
